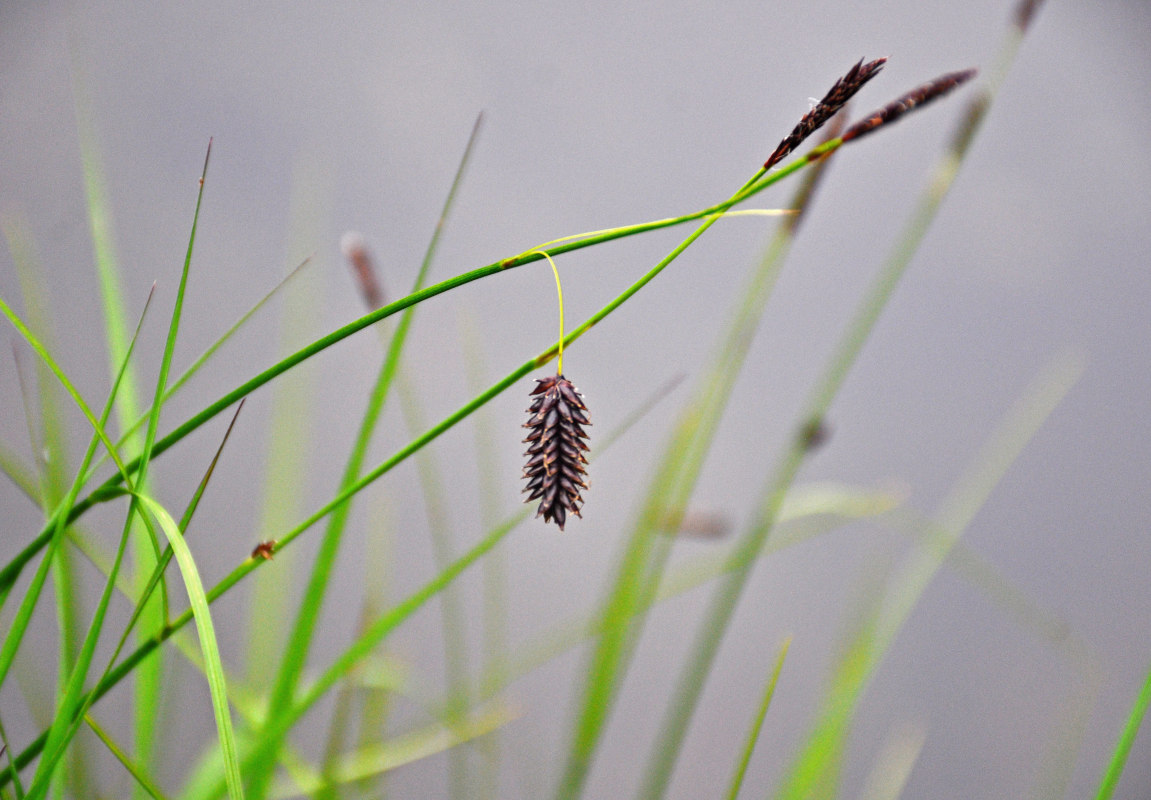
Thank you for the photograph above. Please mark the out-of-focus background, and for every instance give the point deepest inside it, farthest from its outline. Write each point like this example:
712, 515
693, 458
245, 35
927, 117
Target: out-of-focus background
353, 116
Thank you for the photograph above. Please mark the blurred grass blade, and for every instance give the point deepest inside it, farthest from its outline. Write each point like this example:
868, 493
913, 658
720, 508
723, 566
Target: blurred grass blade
191, 371
726, 598
1006, 443
573, 632
14, 636
272, 735
50, 445
288, 443
116, 329
757, 724
683, 460
296, 652
142, 780
11, 768
61, 732
399, 751
208, 644
1126, 740
638, 570
815, 772
893, 767
494, 644
20, 474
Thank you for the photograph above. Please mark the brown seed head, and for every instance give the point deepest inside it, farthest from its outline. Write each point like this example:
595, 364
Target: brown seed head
843, 90
556, 465
1025, 12
355, 250
917, 97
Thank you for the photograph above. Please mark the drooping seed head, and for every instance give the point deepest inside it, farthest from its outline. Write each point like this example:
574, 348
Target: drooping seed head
557, 464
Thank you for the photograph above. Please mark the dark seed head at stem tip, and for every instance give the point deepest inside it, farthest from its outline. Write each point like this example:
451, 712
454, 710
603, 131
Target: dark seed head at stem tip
836, 97
919, 96
557, 464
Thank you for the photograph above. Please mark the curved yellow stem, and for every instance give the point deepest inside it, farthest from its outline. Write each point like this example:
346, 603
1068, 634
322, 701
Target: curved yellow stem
560, 292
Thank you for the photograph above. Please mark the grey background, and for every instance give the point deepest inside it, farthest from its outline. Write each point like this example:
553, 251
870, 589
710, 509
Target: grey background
596, 115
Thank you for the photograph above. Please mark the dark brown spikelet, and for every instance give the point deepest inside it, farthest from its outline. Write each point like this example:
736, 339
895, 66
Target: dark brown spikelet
835, 99
556, 465
917, 97
355, 250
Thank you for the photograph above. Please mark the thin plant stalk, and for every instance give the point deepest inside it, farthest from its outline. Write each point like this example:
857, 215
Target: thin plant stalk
1126, 740
73, 698
296, 651
757, 724
726, 597
144, 546
668, 496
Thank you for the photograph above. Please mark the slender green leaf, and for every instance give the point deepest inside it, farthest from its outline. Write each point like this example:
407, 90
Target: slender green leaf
1126, 740
399, 751
204, 627
698, 428
23, 616
757, 724
134, 769
726, 597
11, 768
893, 766
296, 652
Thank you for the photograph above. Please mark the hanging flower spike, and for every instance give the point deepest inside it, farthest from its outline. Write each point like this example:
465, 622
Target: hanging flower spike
556, 462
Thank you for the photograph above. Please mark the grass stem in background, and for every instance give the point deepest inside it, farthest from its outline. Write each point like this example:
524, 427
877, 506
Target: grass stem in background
1126, 740
757, 724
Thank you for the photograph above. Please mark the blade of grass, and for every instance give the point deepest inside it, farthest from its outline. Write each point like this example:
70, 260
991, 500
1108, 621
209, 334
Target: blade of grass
892, 769
11, 769
268, 744
23, 616
757, 724
58, 735
815, 772
495, 605
666, 503
50, 441
296, 653
399, 751
1126, 740
208, 644
726, 597
134, 769
116, 329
